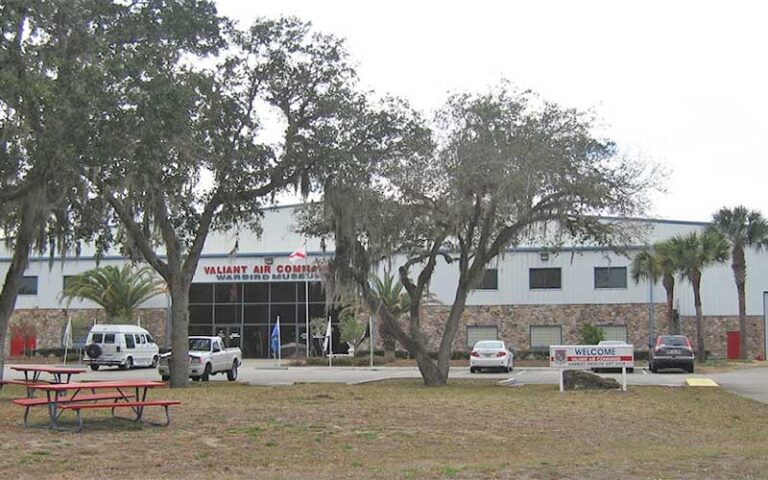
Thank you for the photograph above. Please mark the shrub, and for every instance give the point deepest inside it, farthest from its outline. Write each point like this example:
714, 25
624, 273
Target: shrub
591, 334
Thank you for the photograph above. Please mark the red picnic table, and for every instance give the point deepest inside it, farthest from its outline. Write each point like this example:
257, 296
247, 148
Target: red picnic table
61, 397
32, 373
55, 371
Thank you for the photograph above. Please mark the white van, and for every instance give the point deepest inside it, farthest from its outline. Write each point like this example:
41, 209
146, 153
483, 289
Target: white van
125, 346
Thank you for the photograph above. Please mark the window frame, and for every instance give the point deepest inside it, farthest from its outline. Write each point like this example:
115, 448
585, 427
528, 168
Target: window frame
495, 280
23, 287
531, 271
609, 269
471, 344
603, 327
543, 347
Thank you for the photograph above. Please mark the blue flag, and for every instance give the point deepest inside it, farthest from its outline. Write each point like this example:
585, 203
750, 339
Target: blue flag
274, 339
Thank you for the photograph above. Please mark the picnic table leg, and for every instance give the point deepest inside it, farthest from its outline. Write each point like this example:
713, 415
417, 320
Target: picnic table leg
52, 407
140, 410
30, 388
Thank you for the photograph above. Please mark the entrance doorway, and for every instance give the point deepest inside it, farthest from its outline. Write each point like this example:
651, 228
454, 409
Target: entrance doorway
232, 335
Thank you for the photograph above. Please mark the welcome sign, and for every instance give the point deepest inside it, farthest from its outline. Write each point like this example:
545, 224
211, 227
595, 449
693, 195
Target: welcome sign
591, 356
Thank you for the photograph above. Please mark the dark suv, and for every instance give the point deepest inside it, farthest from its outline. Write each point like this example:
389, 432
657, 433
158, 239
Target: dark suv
671, 351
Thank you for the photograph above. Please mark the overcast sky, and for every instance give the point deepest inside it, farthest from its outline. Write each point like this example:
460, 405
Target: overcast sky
681, 83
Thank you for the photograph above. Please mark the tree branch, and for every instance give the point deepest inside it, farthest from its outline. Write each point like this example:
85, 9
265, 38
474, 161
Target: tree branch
136, 234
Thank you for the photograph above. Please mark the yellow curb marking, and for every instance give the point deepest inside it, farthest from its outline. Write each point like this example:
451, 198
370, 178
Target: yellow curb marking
700, 382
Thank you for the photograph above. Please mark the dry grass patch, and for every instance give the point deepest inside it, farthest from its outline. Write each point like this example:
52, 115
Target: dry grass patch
470, 429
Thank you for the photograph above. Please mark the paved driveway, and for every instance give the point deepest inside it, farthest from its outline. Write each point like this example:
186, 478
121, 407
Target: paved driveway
751, 383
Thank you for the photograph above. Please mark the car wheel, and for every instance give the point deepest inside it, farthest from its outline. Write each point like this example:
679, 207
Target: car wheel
165, 378
690, 368
206, 373
232, 373
155, 361
195, 379
472, 370
509, 368
94, 367
127, 365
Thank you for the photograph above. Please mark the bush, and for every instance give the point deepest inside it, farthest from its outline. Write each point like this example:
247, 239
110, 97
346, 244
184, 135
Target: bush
72, 354
531, 354
338, 361
591, 334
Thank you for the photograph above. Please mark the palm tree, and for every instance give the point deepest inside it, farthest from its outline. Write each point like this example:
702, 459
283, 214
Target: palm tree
654, 263
119, 291
742, 228
692, 253
393, 302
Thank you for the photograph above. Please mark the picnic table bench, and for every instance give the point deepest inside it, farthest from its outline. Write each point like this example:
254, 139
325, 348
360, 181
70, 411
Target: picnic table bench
28, 403
68, 397
137, 407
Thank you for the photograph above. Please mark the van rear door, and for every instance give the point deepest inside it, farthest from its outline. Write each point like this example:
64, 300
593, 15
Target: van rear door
109, 347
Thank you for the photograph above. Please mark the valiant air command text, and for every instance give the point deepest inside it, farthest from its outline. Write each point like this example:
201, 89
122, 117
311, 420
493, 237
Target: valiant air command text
262, 273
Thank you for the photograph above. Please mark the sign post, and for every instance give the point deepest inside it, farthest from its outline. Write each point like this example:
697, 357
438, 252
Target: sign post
582, 357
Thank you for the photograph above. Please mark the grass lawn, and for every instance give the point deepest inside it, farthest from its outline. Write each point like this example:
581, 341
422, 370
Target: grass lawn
469, 429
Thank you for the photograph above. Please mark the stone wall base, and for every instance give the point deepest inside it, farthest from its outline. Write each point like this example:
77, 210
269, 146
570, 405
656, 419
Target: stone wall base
514, 322
47, 325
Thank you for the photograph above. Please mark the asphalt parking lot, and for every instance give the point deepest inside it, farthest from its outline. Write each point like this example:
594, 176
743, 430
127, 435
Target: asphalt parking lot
750, 382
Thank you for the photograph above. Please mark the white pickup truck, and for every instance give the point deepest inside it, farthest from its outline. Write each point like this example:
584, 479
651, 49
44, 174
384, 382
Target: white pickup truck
207, 356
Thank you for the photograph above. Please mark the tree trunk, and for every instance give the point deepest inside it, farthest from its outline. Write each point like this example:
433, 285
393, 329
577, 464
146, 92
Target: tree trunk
179, 364
19, 262
388, 341
696, 282
430, 373
739, 266
416, 344
669, 287
452, 327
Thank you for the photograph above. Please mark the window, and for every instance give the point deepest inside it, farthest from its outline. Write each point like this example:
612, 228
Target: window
97, 338
610, 277
543, 278
143, 339
109, 338
28, 286
476, 333
542, 336
200, 314
67, 280
614, 332
228, 292
129, 343
150, 339
201, 293
490, 280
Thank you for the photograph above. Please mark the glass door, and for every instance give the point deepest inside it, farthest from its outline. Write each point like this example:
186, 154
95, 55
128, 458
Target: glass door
232, 335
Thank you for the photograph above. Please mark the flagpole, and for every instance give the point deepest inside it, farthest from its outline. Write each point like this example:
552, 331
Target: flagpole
67, 337
330, 343
279, 345
370, 335
306, 295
